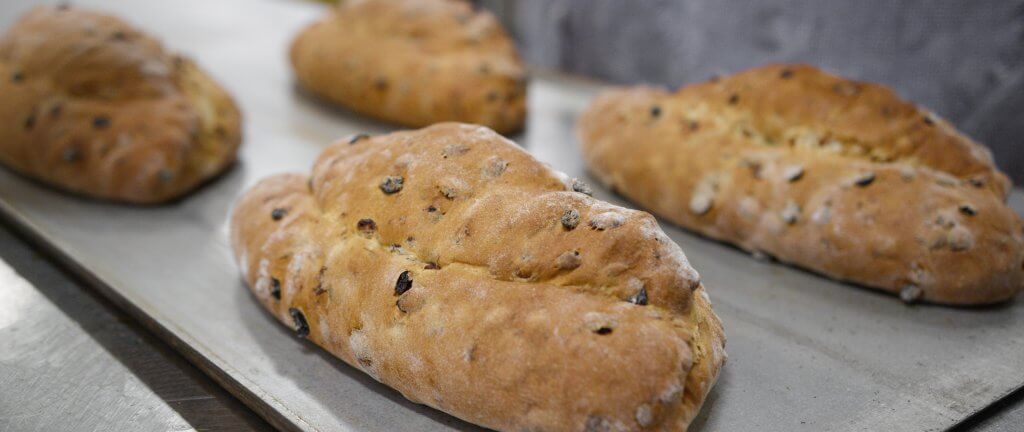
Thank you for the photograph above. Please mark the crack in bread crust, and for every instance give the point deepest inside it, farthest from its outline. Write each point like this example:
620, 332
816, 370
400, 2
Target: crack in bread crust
478, 321
837, 176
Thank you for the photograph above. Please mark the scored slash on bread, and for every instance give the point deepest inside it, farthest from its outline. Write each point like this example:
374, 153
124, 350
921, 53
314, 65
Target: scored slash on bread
415, 63
96, 107
450, 265
837, 176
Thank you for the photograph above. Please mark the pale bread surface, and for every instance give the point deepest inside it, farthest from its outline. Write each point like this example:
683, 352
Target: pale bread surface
837, 176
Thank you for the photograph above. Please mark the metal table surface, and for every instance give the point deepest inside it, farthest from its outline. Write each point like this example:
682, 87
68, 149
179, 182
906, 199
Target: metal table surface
87, 343
805, 353
70, 360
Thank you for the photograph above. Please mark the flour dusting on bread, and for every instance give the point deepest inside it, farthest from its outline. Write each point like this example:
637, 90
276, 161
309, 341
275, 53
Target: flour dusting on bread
834, 175
498, 298
99, 108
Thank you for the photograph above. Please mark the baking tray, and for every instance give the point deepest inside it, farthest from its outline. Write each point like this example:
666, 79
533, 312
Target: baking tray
805, 353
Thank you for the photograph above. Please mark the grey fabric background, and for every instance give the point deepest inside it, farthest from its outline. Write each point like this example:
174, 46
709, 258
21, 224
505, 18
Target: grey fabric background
962, 59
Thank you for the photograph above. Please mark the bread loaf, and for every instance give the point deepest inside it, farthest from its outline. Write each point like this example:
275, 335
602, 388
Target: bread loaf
450, 265
415, 63
94, 106
833, 175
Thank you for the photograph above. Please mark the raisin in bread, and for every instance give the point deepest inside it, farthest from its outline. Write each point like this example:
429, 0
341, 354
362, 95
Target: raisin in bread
833, 175
450, 265
96, 107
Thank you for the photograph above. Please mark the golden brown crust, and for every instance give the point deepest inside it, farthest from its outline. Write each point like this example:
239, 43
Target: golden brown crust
833, 175
515, 310
415, 63
96, 107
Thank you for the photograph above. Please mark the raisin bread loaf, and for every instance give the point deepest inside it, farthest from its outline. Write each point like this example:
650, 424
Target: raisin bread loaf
450, 265
94, 106
833, 175
415, 63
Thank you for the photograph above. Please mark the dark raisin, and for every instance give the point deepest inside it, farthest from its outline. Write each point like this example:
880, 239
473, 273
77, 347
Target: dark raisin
734, 99
55, 111
356, 138
431, 266
403, 284
694, 125
381, 84
603, 330
968, 210
448, 192
392, 184
655, 111
583, 188
366, 226
17, 77
596, 424
278, 213
431, 209
570, 219
119, 35
299, 323
786, 74
101, 122
275, 288
640, 298
319, 288
30, 122
71, 154
865, 179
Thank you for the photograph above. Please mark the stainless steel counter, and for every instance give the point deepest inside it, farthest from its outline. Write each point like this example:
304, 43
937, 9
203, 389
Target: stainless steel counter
89, 343
69, 360
805, 353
